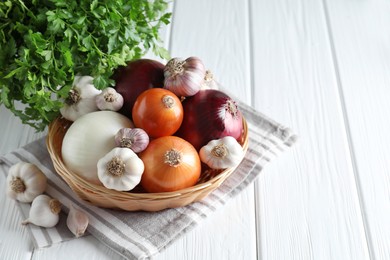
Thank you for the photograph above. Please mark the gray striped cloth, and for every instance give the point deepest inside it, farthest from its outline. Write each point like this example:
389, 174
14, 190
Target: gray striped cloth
140, 235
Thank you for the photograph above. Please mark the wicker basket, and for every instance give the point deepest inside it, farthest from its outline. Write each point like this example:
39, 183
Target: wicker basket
137, 199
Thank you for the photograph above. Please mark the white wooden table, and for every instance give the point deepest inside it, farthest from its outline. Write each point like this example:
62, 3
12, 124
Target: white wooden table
321, 67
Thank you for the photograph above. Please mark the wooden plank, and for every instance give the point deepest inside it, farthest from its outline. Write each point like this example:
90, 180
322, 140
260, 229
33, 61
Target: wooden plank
308, 207
217, 32
360, 32
13, 133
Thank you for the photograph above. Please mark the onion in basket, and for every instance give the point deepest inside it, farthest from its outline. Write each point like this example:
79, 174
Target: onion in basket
135, 78
208, 115
88, 139
171, 164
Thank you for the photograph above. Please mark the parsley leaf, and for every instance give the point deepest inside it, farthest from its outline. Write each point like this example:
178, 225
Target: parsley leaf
45, 43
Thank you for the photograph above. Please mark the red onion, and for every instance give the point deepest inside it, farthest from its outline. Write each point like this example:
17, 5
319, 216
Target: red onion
135, 78
210, 114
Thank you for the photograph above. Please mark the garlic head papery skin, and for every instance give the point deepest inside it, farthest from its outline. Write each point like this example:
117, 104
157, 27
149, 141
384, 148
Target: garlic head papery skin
209, 81
77, 221
222, 153
25, 181
81, 98
135, 139
44, 212
109, 99
184, 77
120, 169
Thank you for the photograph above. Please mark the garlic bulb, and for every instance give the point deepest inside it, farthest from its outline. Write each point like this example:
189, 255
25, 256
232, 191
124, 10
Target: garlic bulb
109, 99
184, 77
44, 212
81, 98
121, 169
222, 153
134, 138
25, 181
209, 81
77, 221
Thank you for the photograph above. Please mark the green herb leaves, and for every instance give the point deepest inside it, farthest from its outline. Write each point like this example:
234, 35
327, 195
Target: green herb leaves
45, 43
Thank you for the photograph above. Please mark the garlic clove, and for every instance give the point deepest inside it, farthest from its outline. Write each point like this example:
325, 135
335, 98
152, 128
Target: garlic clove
109, 99
134, 138
77, 221
44, 212
25, 181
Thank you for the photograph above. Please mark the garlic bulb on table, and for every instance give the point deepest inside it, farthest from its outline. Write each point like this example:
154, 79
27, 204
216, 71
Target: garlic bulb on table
184, 77
44, 212
121, 169
81, 98
25, 181
222, 153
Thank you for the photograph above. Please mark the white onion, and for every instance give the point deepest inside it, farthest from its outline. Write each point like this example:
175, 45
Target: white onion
90, 138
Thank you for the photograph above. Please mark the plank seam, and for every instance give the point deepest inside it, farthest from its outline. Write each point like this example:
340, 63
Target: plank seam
171, 24
348, 131
256, 189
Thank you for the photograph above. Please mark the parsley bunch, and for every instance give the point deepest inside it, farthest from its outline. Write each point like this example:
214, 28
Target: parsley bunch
45, 43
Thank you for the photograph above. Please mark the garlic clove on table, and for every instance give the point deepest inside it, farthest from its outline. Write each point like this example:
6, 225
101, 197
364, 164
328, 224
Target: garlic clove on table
77, 221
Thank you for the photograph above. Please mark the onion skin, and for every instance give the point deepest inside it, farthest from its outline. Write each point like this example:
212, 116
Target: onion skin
158, 112
161, 176
207, 117
136, 77
88, 139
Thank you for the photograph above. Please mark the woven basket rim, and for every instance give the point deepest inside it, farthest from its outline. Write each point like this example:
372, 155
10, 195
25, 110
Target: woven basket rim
58, 128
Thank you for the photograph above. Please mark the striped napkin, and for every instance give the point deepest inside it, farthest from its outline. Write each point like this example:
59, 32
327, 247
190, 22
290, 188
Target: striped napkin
139, 235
